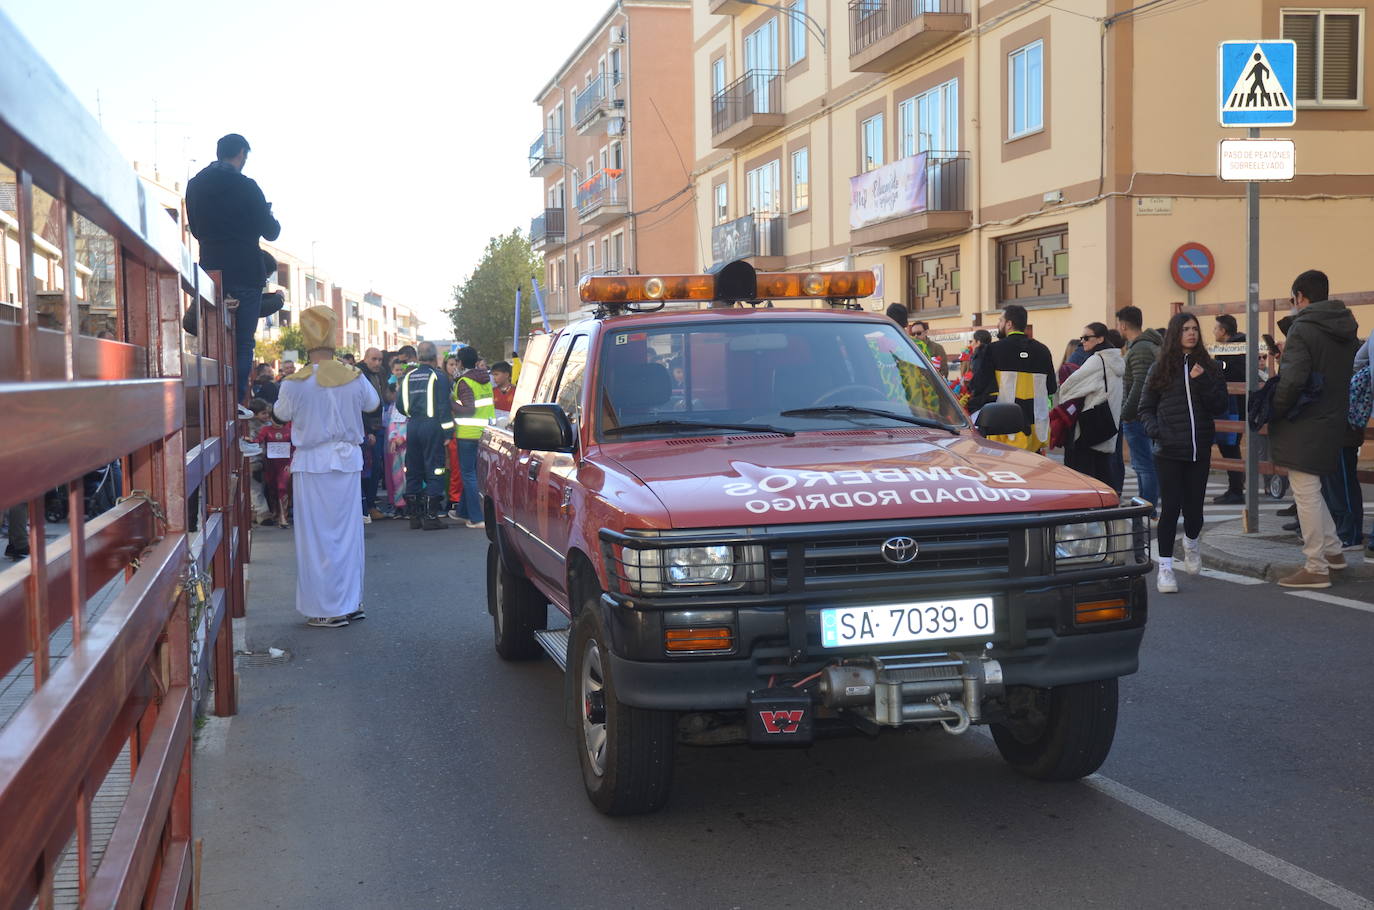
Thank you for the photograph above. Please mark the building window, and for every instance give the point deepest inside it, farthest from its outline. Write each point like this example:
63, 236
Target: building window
801, 179
929, 121
618, 251
932, 280
722, 203
617, 156
761, 189
615, 66
1330, 55
871, 155
796, 32
1034, 267
1026, 89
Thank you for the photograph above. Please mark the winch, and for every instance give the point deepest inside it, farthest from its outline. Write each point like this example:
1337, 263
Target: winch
894, 691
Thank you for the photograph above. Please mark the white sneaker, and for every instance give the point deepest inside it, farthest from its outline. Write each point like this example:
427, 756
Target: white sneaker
1192, 558
367, 519
1165, 583
454, 516
477, 525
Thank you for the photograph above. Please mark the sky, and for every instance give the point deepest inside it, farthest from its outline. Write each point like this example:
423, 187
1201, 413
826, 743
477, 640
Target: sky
391, 138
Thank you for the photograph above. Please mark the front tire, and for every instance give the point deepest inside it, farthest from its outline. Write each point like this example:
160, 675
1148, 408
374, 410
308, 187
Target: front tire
626, 753
1063, 733
517, 609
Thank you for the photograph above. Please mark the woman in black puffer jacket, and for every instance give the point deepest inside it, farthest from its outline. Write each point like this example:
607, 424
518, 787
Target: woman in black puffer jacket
1184, 392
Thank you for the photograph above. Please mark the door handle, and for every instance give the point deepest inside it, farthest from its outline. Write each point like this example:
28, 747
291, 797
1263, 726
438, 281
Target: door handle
533, 470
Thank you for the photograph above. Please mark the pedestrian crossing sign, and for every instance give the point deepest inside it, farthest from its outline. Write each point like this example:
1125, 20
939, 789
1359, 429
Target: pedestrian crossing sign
1256, 83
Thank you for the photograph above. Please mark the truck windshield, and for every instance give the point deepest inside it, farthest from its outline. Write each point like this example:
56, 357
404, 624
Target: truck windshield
794, 375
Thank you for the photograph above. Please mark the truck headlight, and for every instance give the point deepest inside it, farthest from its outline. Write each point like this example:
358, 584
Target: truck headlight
699, 565
1083, 542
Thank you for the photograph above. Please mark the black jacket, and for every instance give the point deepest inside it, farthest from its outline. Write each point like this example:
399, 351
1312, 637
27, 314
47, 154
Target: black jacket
1017, 353
372, 420
228, 213
1181, 419
1320, 349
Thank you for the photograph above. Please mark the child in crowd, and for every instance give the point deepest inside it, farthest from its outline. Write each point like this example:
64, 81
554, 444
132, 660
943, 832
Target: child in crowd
275, 439
261, 418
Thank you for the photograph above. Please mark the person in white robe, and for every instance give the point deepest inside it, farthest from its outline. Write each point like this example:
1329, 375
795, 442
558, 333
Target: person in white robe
325, 402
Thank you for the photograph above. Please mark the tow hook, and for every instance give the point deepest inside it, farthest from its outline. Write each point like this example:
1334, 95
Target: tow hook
895, 691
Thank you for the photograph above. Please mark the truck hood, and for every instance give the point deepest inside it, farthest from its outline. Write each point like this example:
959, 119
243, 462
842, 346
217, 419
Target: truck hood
849, 476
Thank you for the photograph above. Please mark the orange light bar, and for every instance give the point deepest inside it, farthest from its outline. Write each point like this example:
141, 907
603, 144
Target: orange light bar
712, 638
646, 288
775, 285
1101, 611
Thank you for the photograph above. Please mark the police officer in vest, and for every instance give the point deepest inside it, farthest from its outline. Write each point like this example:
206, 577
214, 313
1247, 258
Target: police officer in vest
475, 407
424, 396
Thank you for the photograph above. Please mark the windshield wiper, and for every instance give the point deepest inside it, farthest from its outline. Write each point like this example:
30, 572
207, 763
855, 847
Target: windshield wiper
696, 425
842, 409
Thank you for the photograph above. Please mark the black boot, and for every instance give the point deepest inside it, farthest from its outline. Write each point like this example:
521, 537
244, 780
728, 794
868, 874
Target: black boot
416, 512
433, 521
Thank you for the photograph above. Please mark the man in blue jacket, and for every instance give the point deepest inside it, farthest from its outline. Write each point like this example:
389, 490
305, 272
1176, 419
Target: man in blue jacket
228, 213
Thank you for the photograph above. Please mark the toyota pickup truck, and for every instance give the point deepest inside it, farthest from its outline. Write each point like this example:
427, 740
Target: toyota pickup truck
761, 523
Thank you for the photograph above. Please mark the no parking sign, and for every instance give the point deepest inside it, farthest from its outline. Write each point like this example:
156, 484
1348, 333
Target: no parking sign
1192, 266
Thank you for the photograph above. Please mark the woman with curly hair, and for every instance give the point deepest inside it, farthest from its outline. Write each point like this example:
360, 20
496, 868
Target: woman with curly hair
1185, 392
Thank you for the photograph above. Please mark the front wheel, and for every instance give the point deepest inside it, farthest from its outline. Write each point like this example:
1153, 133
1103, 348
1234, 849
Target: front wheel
516, 606
1062, 733
626, 753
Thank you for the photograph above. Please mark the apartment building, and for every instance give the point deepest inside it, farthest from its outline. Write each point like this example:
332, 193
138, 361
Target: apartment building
976, 153
613, 154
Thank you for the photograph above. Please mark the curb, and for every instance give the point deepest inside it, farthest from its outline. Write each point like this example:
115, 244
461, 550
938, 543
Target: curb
1257, 564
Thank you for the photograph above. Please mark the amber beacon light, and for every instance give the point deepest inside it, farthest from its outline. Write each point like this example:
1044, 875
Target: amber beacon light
771, 286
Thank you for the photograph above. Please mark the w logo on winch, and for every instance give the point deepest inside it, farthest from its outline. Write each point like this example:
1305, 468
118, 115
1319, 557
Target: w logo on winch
781, 721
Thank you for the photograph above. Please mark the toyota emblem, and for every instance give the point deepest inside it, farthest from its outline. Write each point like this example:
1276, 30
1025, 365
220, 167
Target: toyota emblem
899, 550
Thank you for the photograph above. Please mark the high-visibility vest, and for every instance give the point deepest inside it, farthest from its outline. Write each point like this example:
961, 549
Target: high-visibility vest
485, 404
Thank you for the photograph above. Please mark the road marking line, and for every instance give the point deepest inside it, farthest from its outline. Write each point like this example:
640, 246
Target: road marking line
1308, 882
1333, 599
1231, 577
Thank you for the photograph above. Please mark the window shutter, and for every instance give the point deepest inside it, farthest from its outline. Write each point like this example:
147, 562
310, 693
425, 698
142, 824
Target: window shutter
1301, 29
1340, 57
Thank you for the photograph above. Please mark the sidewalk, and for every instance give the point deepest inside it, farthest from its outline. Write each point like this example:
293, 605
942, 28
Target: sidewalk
1269, 554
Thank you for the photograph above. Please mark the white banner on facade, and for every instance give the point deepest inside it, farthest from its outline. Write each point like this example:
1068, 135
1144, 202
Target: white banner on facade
890, 191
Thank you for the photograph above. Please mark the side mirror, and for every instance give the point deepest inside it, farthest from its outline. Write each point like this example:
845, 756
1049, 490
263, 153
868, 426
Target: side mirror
543, 428
1000, 419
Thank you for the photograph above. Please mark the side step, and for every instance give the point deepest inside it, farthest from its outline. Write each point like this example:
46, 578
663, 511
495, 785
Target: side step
555, 642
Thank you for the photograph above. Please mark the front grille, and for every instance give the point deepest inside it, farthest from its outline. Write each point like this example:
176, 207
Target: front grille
840, 562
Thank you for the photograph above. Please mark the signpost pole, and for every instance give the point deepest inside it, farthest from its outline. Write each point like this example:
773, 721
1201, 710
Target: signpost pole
1252, 331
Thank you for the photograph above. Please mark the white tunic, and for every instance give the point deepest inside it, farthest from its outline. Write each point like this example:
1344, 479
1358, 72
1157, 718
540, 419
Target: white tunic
326, 477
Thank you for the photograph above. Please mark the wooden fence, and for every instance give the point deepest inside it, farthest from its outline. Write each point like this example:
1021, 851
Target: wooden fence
74, 403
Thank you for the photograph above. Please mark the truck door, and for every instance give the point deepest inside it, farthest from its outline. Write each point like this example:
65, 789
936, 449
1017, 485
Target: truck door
530, 475
557, 473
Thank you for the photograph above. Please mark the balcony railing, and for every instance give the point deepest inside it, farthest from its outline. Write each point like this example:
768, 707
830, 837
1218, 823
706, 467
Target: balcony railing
887, 33
603, 189
546, 150
756, 235
547, 228
601, 93
756, 92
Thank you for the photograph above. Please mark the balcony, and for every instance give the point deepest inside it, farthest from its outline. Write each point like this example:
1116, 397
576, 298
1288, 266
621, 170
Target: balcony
747, 109
598, 99
603, 197
886, 34
547, 229
728, 7
757, 237
546, 153
913, 200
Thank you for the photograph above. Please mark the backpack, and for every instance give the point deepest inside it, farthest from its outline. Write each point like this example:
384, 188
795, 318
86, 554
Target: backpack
1361, 399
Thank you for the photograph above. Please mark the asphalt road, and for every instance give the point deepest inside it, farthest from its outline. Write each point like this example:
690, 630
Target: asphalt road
400, 763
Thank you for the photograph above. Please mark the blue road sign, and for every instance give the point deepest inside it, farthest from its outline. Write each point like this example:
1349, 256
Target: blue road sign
1192, 266
1257, 82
